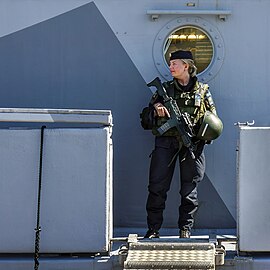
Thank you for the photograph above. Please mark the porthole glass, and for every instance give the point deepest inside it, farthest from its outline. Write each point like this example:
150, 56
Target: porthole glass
194, 40
191, 33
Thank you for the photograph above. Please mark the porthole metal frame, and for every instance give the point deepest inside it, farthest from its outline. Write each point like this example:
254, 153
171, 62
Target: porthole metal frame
201, 24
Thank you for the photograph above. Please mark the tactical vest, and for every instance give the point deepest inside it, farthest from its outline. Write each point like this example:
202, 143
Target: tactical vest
191, 102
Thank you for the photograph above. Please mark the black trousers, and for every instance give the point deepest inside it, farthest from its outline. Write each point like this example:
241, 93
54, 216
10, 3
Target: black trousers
160, 177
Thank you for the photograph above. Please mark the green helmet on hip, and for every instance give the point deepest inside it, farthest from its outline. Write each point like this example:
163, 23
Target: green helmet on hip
211, 127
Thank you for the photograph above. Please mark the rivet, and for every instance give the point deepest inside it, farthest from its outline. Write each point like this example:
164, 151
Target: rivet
168, 27
159, 38
158, 64
197, 20
166, 75
179, 21
216, 37
219, 58
204, 24
211, 30
219, 45
210, 73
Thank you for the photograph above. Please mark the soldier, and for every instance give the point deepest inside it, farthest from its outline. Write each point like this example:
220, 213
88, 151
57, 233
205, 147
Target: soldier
194, 98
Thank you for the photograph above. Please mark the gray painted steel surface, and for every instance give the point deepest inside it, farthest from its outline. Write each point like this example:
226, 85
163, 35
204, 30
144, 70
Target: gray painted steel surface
98, 55
60, 263
56, 116
76, 195
253, 189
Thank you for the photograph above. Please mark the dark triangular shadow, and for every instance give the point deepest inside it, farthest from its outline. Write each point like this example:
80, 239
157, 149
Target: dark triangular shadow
212, 212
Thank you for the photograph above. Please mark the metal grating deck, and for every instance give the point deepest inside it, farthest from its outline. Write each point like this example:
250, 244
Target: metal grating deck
173, 255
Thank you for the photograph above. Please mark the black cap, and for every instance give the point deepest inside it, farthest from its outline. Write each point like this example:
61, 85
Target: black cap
181, 55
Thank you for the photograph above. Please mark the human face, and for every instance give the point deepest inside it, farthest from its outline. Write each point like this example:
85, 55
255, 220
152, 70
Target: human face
179, 69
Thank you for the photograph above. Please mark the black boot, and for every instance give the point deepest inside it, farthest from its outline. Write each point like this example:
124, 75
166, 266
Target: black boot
151, 233
184, 233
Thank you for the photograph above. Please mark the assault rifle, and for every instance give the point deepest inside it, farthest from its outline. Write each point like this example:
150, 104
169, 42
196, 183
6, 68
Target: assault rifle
177, 119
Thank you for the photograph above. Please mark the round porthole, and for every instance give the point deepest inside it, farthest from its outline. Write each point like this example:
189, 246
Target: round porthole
194, 34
